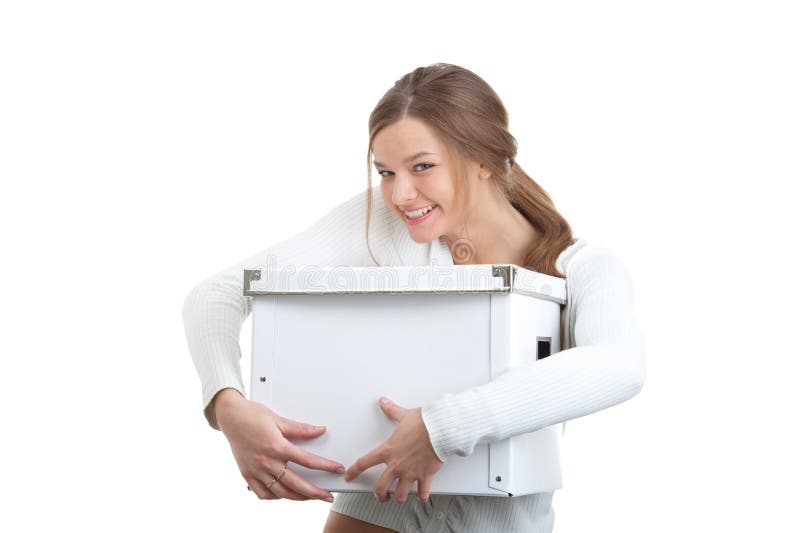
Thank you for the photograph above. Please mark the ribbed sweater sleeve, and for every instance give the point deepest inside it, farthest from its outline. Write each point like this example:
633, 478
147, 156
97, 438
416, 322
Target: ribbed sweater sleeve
605, 367
215, 309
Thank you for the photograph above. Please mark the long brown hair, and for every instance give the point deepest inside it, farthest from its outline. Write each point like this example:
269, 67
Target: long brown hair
469, 118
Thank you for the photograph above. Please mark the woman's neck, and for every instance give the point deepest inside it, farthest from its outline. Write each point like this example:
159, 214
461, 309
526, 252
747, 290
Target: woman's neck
496, 233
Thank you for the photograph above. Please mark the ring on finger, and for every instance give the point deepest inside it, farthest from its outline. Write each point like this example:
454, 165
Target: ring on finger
275, 479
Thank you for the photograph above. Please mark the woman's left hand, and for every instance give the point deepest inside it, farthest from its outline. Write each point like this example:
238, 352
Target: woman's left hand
407, 453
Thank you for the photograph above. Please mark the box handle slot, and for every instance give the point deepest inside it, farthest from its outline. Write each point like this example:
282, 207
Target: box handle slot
542, 347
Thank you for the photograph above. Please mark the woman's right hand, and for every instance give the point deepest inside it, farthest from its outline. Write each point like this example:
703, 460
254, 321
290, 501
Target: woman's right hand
258, 440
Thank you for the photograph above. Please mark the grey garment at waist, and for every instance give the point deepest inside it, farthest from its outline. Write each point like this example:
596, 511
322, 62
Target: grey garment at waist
532, 513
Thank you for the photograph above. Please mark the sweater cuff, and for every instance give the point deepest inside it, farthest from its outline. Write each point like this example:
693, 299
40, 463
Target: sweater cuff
455, 423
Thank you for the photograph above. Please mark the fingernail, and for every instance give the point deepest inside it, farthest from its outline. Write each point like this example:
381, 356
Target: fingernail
341, 469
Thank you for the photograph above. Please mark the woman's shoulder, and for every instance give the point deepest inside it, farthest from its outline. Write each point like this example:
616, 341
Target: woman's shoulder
345, 223
353, 209
590, 259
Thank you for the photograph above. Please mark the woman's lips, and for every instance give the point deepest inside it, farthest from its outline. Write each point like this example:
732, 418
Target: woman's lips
423, 218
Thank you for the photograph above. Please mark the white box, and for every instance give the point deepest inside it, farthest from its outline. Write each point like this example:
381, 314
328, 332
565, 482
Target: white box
328, 342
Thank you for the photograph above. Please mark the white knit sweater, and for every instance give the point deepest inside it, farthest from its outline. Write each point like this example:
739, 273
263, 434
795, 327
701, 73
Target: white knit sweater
603, 363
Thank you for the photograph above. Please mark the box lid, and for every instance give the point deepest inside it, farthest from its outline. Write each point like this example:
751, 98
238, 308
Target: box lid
488, 278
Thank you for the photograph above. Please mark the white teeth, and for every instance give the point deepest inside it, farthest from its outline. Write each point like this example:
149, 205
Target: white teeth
419, 212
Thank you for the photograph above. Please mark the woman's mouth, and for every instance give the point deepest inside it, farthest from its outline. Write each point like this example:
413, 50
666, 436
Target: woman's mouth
420, 216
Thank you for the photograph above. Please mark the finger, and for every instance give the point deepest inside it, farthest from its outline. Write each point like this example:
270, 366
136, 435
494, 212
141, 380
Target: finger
302, 486
384, 483
259, 489
303, 457
403, 487
292, 429
392, 410
267, 473
375, 457
281, 490
424, 489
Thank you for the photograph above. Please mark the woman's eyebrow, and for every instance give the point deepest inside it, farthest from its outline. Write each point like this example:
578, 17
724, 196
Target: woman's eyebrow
407, 159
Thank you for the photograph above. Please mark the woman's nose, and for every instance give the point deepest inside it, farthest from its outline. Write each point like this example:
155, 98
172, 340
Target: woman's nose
404, 190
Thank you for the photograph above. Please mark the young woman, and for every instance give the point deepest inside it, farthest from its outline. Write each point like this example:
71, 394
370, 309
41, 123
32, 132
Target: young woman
450, 193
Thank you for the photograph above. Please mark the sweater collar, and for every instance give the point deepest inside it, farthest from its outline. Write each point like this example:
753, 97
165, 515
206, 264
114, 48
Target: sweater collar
440, 253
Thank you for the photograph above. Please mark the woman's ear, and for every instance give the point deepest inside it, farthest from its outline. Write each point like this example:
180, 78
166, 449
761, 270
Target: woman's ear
483, 172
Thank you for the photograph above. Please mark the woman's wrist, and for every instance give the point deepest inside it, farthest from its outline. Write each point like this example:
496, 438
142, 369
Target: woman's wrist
223, 399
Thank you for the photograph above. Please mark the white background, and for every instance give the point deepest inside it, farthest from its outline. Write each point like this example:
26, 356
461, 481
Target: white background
146, 145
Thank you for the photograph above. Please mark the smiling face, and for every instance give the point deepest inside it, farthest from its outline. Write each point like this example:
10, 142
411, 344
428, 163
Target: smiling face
416, 173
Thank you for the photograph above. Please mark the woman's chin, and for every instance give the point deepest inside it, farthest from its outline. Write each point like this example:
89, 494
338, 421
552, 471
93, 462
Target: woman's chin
421, 237
425, 231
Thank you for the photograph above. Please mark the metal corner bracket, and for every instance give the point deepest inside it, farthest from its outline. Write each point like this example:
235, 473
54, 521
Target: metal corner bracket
250, 275
506, 272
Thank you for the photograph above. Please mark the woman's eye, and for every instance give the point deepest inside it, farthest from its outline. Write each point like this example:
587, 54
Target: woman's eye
416, 167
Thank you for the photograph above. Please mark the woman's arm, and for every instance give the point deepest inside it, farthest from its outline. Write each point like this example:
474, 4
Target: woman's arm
215, 309
606, 367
